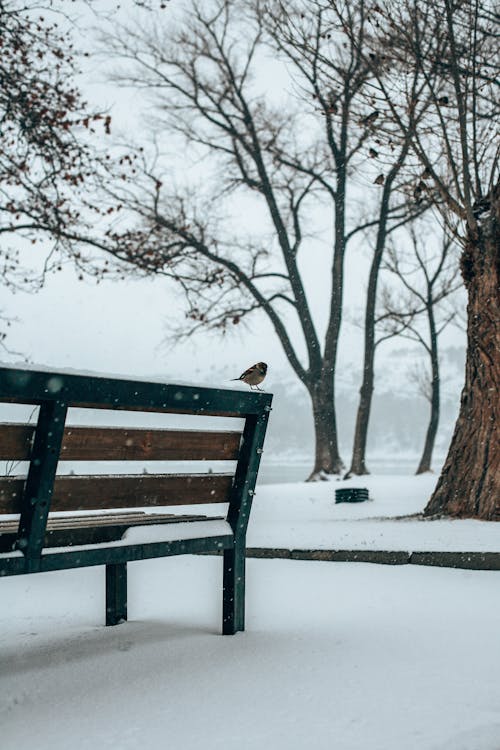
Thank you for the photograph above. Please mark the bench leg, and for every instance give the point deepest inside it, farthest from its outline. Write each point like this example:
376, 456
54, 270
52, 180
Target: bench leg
233, 600
116, 593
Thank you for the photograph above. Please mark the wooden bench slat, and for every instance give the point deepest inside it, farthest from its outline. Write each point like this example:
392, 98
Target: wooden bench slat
15, 442
76, 493
108, 519
121, 444
94, 529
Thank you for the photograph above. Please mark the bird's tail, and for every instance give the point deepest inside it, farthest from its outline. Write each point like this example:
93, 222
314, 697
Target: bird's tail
235, 379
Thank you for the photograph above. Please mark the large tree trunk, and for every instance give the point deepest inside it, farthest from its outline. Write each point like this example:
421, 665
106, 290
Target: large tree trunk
430, 437
469, 485
327, 458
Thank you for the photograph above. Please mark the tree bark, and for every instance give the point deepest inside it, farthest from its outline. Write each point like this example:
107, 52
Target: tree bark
469, 485
430, 437
327, 458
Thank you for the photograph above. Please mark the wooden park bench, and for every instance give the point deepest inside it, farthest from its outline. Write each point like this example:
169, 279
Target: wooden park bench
51, 521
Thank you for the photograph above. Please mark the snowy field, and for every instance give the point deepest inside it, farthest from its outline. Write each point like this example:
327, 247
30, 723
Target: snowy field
336, 656
305, 516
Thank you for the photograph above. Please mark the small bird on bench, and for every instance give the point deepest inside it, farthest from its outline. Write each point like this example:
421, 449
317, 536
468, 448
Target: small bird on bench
254, 375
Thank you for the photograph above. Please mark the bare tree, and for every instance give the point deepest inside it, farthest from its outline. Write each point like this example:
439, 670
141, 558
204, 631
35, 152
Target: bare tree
44, 158
427, 278
384, 229
323, 42
453, 49
204, 78
203, 75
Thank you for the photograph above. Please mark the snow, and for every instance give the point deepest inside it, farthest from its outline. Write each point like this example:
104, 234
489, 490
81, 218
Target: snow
335, 656
188, 530
305, 516
159, 533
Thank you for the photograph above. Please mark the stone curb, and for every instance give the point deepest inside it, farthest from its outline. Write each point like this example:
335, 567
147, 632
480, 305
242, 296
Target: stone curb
464, 560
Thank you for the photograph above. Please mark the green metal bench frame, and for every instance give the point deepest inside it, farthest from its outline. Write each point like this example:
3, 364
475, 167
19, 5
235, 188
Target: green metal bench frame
54, 393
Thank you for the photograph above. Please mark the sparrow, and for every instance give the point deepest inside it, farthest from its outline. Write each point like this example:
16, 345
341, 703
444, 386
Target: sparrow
254, 375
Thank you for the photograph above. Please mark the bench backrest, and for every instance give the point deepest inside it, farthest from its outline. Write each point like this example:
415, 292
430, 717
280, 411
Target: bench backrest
52, 440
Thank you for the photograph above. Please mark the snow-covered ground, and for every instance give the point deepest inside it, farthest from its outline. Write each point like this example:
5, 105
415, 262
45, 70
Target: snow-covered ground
336, 656
305, 516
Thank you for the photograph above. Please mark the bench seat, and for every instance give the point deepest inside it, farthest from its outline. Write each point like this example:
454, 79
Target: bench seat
92, 528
